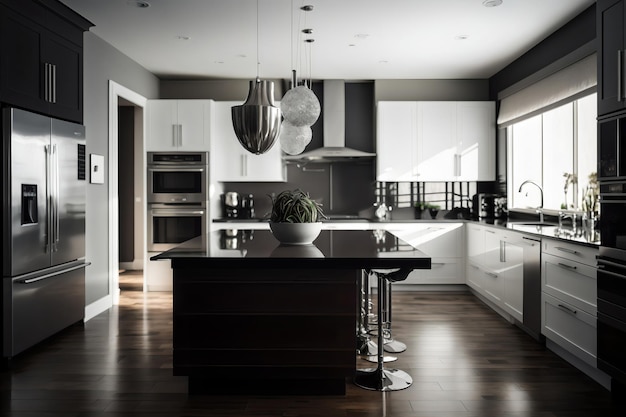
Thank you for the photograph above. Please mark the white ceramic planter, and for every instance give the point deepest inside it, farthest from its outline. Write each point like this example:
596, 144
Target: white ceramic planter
296, 233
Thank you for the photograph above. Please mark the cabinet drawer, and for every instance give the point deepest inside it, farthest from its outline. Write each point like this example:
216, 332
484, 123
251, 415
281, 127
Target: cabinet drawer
569, 327
570, 281
578, 253
443, 271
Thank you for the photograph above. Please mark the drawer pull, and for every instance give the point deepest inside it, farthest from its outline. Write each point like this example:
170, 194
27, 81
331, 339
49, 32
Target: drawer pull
567, 250
437, 264
566, 308
491, 274
562, 265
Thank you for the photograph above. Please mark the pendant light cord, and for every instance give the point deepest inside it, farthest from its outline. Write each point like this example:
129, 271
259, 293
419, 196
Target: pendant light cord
257, 41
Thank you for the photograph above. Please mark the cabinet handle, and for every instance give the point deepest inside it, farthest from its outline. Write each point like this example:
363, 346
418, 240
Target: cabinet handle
180, 135
48, 82
491, 274
619, 74
437, 264
562, 265
566, 308
566, 250
54, 83
174, 135
244, 165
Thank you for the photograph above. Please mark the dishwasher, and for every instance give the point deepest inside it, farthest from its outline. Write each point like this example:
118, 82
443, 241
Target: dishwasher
532, 286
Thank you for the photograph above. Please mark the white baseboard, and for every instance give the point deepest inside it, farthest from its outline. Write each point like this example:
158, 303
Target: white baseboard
98, 307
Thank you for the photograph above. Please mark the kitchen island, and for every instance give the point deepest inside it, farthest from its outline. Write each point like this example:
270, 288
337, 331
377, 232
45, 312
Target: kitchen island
253, 316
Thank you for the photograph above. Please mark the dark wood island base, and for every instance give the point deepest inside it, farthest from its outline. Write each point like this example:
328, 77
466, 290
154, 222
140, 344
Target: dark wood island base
264, 331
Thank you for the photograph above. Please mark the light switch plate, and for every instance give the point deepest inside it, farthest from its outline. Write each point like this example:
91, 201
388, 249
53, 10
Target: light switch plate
97, 169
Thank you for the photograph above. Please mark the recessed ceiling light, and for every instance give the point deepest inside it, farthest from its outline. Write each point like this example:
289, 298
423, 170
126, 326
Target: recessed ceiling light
461, 37
492, 3
382, 61
139, 4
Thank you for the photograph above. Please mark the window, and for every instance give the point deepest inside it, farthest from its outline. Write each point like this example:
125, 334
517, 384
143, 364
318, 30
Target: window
548, 148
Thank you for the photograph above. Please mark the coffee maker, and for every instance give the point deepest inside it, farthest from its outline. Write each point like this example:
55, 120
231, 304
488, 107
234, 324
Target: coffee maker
231, 205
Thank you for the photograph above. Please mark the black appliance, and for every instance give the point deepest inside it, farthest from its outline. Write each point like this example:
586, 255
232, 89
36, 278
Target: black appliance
170, 225
484, 206
612, 284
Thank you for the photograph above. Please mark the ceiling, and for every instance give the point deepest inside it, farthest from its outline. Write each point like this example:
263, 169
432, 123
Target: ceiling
354, 40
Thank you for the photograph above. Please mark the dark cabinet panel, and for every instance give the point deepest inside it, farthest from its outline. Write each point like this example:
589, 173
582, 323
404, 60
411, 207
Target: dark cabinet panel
612, 148
41, 65
20, 80
611, 18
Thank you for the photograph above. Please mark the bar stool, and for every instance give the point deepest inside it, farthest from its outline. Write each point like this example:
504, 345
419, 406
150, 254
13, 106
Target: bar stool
379, 378
365, 322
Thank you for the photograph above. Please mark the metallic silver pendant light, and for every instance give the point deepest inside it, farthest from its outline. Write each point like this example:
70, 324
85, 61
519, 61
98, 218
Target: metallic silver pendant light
257, 120
300, 106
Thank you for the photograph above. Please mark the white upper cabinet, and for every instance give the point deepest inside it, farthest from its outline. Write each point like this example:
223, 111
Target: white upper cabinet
436, 141
396, 147
178, 125
476, 140
231, 162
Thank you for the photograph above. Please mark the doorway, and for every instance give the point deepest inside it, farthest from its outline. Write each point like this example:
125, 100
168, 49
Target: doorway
126, 120
130, 189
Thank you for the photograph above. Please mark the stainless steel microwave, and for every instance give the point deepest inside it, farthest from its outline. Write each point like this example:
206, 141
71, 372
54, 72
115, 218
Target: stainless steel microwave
178, 177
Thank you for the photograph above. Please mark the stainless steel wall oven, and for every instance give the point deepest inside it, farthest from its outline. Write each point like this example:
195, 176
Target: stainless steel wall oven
177, 196
177, 177
170, 225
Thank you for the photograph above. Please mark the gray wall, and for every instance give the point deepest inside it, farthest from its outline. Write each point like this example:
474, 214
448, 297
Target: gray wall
431, 90
102, 63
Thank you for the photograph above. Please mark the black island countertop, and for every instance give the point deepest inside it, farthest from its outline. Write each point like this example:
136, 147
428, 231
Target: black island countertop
347, 249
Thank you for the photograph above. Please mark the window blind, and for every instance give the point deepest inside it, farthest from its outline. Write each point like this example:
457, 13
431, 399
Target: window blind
566, 85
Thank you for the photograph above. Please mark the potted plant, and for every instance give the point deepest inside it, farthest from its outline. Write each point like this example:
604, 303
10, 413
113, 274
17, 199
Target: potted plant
433, 209
295, 218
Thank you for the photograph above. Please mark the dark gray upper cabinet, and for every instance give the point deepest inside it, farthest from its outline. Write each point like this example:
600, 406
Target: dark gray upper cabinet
611, 38
41, 65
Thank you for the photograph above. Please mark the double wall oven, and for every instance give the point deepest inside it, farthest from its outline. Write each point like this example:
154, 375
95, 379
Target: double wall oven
612, 255
177, 195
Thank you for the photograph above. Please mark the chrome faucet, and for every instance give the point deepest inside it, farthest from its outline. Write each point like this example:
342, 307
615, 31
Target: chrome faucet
540, 208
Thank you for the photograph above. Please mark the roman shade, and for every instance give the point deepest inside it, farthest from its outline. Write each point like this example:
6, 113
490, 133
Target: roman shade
566, 85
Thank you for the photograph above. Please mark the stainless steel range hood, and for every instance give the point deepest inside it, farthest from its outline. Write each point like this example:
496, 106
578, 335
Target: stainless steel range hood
334, 148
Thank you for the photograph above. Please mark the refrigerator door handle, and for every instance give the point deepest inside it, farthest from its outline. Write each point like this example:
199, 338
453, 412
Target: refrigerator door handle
52, 274
55, 198
49, 215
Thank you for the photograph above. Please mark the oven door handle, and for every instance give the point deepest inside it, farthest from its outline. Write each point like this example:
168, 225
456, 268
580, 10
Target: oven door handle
173, 213
603, 264
615, 274
180, 169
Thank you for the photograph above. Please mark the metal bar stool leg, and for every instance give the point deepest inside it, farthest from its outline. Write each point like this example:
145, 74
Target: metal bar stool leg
365, 345
379, 378
372, 356
391, 345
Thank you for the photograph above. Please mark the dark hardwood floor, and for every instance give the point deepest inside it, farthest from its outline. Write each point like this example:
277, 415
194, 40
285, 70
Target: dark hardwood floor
464, 359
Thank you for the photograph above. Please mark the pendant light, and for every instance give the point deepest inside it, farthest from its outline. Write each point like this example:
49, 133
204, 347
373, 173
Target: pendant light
257, 121
300, 107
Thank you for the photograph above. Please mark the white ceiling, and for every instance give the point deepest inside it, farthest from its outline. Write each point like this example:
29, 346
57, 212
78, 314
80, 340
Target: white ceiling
354, 40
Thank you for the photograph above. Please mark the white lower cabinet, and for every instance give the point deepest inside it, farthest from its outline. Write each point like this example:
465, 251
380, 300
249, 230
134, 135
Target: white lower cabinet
569, 294
570, 327
495, 267
444, 243
158, 274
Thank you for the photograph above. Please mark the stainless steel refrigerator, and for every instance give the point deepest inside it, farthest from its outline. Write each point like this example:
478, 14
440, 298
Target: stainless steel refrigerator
44, 185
